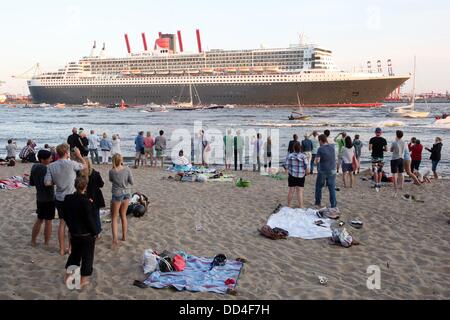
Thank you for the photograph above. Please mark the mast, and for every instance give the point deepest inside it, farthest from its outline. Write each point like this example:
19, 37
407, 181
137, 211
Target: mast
414, 86
190, 93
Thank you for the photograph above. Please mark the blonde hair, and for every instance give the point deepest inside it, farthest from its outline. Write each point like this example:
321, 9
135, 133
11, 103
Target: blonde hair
89, 168
117, 160
62, 149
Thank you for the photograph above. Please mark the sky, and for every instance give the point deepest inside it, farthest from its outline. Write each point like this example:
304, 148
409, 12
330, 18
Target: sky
53, 33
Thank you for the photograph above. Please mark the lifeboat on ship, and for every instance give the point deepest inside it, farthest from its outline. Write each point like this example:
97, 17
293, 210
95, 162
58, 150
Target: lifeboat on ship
162, 72
244, 69
208, 70
258, 69
231, 70
272, 69
178, 72
135, 71
193, 71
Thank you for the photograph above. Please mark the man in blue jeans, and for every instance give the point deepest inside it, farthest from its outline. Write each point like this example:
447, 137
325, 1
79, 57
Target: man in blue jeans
326, 157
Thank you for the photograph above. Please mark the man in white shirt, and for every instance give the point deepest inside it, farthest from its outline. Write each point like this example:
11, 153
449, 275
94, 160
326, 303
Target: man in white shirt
93, 146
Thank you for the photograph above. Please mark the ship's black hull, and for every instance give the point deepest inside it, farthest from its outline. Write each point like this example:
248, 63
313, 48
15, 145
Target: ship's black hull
326, 93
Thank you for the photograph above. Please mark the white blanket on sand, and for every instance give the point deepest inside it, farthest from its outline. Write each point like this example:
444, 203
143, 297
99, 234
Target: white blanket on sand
300, 223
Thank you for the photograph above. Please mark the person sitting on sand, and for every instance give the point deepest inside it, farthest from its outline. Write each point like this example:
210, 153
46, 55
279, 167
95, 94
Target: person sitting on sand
296, 165
45, 197
62, 173
423, 174
27, 154
121, 179
11, 149
181, 160
79, 217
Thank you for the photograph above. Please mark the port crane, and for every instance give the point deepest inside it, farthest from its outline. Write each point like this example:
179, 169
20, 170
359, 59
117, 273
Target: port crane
32, 72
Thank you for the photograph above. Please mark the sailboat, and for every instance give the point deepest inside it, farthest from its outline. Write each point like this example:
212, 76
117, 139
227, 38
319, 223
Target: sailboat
187, 106
409, 110
299, 115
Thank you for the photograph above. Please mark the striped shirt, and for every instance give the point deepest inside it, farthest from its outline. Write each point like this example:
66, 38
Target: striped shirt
296, 164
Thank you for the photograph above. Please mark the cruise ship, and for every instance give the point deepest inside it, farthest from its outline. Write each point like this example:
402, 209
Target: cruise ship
166, 74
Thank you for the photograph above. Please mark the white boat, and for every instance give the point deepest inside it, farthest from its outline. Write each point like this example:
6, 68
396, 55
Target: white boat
89, 103
188, 106
409, 110
229, 106
444, 120
299, 115
44, 105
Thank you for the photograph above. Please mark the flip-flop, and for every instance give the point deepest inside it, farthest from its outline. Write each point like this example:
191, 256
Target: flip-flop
139, 284
356, 224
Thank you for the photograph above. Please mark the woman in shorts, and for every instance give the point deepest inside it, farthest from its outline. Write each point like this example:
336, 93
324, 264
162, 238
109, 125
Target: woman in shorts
121, 179
347, 162
297, 166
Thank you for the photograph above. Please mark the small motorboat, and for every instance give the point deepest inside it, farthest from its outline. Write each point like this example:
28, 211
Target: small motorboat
60, 106
89, 103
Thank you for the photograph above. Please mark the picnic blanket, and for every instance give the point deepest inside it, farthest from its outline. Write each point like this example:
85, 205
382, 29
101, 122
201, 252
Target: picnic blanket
192, 169
300, 223
197, 276
15, 182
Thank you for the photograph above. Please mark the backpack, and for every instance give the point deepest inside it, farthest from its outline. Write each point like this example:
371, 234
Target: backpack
138, 205
274, 234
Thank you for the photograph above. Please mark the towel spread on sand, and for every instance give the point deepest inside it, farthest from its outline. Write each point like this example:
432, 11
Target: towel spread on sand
191, 169
300, 223
197, 276
13, 183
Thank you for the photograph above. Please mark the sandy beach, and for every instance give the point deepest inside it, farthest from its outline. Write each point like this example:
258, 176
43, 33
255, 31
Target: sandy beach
409, 241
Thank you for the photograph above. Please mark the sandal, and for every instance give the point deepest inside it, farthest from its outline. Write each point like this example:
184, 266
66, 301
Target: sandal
139, 284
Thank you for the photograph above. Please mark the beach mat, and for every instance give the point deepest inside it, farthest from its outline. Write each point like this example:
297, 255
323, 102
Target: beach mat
197, 276
300, 223
13, 183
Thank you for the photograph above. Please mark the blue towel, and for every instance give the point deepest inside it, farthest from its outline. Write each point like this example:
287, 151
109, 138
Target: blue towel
197, 277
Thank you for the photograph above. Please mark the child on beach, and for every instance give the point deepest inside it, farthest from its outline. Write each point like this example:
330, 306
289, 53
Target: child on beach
121, 179
45, 197
296, 165
80, 220
347, 162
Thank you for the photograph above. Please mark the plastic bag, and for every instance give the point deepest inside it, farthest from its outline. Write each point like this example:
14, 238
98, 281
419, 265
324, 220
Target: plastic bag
149, 261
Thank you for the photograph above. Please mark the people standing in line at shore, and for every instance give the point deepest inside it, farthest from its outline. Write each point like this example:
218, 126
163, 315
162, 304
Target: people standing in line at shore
238, 150
115, 145
121, 179
45, 198
95, 194
11, 150
84, 142
315, 143
326, 165
435, 158
291, 143
307, 147
27, 154
407, 165
74, 142
80, 221
268, 154
340, 142
140, 150
416, 154
378, 145
228, 143
93, 147
296, 165
105, 147
397, 168
348, 153
160, 148
149, 143
357, 143
62, 173
257, 152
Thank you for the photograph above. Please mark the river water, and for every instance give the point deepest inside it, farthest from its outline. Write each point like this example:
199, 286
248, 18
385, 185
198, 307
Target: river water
52, 126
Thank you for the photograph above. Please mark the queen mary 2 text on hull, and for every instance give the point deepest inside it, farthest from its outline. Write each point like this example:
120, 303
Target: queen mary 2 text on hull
272, 77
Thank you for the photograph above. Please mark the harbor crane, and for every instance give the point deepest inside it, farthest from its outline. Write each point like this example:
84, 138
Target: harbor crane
33, 71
